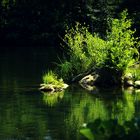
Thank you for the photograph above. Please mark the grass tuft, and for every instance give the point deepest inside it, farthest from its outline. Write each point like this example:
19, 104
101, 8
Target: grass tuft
51, 78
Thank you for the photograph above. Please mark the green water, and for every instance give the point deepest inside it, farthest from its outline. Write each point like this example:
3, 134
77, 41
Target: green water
28, 114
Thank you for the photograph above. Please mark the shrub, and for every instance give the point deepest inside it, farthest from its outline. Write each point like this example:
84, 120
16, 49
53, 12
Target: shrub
121, 44
84, 50
117, 52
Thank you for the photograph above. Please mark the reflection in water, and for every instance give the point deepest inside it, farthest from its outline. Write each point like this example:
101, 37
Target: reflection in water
23, 114
18, 117
28, 114
51, 99
88, 109
123, 109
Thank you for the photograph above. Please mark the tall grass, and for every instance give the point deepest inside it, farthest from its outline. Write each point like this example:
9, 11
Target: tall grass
51, 78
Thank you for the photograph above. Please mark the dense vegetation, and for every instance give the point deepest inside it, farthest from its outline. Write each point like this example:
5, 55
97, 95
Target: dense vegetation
111, 56
40, 22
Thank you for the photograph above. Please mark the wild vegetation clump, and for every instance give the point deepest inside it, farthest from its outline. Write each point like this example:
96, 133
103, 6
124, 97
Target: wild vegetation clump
51, 78
112, 56
85, 50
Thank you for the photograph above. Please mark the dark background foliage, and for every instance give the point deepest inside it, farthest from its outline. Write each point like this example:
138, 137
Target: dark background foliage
41, 22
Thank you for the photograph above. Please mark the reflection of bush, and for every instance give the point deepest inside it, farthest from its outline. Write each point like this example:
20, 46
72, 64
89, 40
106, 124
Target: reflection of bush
52, 99
90, 109
112, 130
124, 109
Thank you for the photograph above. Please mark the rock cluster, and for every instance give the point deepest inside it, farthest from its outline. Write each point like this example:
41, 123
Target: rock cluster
90, 81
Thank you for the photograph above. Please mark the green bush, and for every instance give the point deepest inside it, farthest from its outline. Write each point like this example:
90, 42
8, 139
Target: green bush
85, 51
121, 44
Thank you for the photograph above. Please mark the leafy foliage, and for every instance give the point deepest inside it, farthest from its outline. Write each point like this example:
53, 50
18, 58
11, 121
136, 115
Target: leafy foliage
117, 52
121, 44
84, 50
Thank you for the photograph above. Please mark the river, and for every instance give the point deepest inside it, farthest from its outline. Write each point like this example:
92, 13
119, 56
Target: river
28, 114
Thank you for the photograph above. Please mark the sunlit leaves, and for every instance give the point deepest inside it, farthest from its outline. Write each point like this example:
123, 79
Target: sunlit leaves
121, 43
88, 50
84, 49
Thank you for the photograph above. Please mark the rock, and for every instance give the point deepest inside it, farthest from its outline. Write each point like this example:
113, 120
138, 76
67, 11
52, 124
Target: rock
47, 88
89, 80
128, 83
137, 84
128, 76
52, 88
65, 86
128, 79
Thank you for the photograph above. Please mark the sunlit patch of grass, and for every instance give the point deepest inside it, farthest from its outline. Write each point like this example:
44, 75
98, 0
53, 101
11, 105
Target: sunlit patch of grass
51, 78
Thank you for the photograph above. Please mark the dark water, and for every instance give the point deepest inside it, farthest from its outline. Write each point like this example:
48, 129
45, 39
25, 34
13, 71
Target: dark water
28, 114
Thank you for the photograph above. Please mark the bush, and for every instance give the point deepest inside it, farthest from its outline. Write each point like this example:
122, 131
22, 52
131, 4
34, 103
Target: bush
121, 44
85, 51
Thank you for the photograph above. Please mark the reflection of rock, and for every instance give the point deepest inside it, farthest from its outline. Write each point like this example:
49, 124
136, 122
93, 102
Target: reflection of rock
137, 91
52, 88
129, 89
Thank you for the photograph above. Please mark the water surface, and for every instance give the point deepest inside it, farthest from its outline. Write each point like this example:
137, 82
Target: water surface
28, 114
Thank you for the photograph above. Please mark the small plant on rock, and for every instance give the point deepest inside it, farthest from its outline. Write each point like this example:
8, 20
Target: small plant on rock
52, 78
